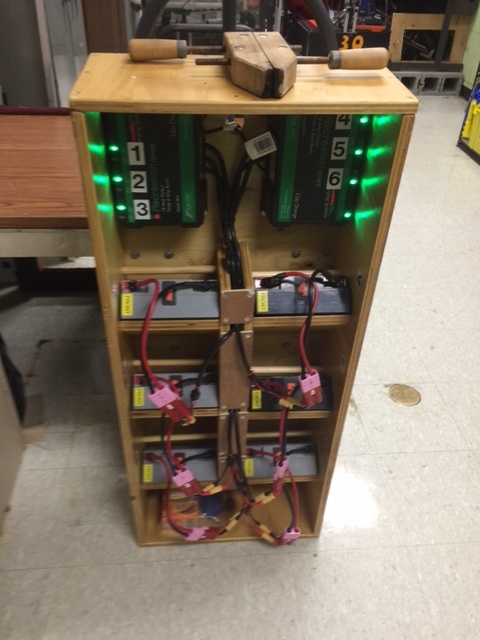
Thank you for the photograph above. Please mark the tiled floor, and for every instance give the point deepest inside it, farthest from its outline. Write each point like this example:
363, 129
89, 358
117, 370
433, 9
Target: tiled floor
399, 554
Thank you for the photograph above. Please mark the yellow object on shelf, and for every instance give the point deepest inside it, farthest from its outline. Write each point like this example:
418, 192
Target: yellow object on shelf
467, 127
474, 141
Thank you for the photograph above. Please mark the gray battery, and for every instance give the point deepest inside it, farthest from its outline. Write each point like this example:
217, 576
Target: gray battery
201, 462
302, 460
186, 382
192, 303
286, 300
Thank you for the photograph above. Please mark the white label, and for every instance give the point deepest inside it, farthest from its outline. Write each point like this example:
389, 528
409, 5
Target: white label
339, 148
138, 181
260, 146
334, 178
343, 121
142, 209
136, 153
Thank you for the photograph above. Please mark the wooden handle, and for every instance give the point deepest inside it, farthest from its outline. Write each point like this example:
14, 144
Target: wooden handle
375, 58
147, 49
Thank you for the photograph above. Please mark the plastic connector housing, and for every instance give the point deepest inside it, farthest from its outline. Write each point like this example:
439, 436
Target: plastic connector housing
280, 469
289, 537
186, 482
311, 389
169, 402
196, 534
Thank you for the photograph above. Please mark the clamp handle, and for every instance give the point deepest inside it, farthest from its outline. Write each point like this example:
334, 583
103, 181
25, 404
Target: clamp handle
361, 59
147, 49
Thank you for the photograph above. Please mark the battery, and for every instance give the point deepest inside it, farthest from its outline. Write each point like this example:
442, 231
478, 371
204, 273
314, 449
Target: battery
291, 299
201, 462
316, 173
302, 460
155, 168
185, 382
261, 401
196, 302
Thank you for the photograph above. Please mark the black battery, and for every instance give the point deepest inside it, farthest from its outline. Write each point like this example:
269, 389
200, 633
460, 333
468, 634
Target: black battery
291, 299
316, 173
155, 168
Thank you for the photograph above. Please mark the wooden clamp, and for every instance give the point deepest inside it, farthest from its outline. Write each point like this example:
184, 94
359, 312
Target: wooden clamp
262, 63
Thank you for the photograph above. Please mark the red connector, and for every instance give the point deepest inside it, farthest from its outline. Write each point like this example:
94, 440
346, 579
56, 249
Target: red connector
311, 388
288, 537
169, 402
186, 482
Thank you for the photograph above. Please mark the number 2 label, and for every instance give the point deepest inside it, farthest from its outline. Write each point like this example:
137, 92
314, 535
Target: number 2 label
138, 181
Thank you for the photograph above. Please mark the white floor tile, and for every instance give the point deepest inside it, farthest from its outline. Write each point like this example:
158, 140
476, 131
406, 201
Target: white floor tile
359, 513
392, 427
434, 495
450, 580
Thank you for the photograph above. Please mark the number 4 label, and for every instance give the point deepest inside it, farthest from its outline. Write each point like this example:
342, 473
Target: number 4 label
142, 209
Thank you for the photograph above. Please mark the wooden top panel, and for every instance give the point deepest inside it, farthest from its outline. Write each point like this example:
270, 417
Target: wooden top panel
40, 186
112, 82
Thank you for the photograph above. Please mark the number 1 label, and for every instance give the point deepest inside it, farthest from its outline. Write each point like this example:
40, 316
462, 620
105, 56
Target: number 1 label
136, 153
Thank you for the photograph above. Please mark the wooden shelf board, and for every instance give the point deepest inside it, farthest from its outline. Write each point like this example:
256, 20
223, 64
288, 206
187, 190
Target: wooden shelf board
170, 326
295, 322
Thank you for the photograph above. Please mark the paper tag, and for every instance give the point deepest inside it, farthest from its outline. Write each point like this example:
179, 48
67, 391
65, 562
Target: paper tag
147, 473
260, 146
138, 397
127, 305
262, 301
256, 399
248, 467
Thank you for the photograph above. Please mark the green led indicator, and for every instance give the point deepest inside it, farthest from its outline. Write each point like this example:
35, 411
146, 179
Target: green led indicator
348, 214
117, 179
105, 208
353, 181
114, 147
364, 119
358, 152
96, 148
100, 179
121, 207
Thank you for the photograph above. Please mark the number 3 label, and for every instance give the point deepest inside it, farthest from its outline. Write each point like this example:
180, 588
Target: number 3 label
142, 209
334, 179
355, 43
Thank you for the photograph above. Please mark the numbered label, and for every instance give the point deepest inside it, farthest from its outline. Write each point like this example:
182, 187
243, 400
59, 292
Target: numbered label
138, 181
136, 153
334, 179
343, 122
351, 42
339, 148
142, 209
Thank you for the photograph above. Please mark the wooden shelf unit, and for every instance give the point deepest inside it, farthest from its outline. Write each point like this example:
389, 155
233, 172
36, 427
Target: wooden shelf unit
112, 83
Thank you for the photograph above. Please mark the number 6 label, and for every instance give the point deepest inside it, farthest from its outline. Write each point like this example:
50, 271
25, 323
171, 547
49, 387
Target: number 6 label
334, 179
142, 209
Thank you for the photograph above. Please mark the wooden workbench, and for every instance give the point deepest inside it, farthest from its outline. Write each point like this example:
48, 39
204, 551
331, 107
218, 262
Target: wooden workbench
42, 210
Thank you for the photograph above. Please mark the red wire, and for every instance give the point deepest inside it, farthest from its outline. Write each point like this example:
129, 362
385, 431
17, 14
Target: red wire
155, 380
301, 346
168, 447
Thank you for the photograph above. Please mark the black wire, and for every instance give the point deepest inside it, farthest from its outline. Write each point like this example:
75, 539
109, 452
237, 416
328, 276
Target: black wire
290, 504
208, 360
